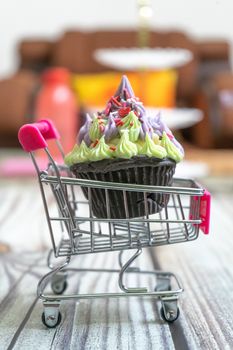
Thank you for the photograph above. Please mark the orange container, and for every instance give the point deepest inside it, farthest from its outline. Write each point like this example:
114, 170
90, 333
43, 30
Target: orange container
57, 102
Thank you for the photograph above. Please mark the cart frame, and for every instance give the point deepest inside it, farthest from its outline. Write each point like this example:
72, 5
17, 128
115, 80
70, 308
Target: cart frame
179, 221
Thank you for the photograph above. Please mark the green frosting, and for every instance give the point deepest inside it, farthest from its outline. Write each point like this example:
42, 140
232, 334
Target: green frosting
172, 150
100, 151
81, 154
133, 125
155, 138
139, 145
95, 130
150, 149
69, 156
115, 141
126, 148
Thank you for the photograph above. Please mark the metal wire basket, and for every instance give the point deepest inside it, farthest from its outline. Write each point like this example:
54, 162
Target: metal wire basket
74, 230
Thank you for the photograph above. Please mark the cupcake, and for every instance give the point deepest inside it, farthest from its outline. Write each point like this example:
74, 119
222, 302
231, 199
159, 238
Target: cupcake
124, 144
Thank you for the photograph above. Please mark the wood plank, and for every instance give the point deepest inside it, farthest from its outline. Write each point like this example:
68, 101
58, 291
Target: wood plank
131, 323
15, 306
205, 268
100, 322
13, 268
45, 338
23, 216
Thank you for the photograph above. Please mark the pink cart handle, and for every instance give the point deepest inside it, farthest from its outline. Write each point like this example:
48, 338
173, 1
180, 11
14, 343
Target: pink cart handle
33, 136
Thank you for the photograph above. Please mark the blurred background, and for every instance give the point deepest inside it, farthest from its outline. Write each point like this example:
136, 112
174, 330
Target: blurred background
185, 70
61, 59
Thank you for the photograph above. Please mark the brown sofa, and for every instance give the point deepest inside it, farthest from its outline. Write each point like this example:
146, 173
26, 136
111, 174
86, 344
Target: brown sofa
74, 50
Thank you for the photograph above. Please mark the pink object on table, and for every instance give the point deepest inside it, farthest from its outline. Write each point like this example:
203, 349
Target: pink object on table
17, 167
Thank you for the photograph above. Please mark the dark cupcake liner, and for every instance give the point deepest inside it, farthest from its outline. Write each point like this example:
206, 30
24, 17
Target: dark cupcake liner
138, 170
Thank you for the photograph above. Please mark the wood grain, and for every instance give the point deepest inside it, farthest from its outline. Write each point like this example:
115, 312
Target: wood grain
204, 266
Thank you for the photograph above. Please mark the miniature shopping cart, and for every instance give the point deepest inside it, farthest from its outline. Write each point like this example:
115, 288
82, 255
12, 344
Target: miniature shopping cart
74, 230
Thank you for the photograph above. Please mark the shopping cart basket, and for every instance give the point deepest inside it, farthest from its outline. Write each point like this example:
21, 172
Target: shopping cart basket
74, 230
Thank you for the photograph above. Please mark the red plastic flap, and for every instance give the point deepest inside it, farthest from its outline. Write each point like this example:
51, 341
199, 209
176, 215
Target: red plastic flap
49, 132
204, 211
31, 138
34, 136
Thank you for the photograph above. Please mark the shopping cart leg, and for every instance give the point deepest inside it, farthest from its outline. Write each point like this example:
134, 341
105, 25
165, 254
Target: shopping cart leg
126, 268
130, 268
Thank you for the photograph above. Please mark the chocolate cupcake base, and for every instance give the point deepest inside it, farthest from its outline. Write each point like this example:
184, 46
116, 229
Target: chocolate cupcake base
137, 170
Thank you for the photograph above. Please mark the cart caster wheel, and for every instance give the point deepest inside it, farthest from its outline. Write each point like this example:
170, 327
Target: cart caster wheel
169, 317
163, 283
58, 287
167, 289
51, 321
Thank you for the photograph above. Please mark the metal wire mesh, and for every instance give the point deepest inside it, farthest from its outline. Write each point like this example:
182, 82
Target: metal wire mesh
81, 232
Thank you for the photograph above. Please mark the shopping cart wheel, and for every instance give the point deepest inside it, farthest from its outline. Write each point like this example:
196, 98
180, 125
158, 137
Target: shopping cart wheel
59, 283
170, 315
59, 287
163, 288
51, 321
163, 283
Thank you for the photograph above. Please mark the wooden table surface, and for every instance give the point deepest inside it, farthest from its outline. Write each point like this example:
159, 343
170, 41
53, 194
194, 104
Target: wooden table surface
204, 267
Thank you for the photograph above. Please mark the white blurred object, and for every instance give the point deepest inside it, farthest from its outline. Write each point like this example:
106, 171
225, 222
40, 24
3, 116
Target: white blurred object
193, 170
178, 118
145, 58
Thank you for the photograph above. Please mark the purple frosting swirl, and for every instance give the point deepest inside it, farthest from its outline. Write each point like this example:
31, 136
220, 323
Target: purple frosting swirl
123, 102
84, 131
159, 126
124, 90
111, 130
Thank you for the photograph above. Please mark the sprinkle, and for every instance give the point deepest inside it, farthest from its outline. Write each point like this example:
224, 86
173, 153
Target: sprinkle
114, 100
95, 143
124, 111
101, 120
120, 123
170, 136
113, 148
107, 109
101, 128
126, 94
